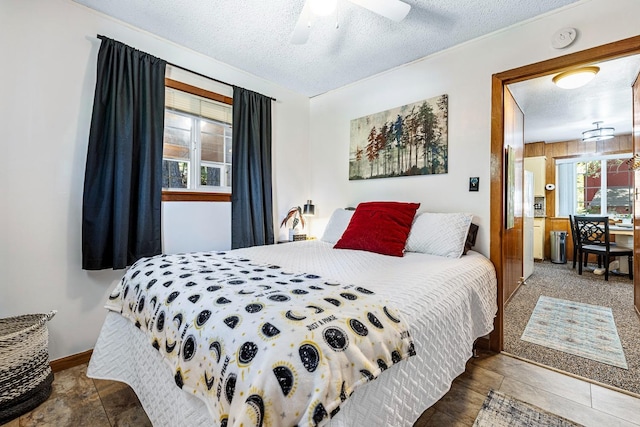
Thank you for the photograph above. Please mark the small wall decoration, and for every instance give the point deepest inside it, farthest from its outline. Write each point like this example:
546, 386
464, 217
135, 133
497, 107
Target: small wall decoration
402, 141
474, 183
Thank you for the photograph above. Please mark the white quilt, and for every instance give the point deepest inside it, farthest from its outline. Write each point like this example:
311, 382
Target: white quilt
259, 344
448, 303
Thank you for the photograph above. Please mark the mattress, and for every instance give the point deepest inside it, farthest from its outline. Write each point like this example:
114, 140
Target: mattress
448, 304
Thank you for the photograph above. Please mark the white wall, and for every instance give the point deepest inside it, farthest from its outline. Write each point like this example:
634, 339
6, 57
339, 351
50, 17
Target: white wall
196, 226
48, 51
464, 73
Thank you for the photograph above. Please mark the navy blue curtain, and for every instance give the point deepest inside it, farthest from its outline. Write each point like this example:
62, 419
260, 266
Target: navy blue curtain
251, 201
123, 176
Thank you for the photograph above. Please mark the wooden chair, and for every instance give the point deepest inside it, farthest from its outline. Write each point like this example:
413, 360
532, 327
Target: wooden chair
576, 243
592, 234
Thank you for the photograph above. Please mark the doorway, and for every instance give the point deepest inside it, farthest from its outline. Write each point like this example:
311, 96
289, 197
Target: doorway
592, 176
508, 267
589, 177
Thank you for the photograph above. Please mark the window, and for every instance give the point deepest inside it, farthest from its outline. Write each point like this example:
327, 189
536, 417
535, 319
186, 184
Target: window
197, 140
596, 185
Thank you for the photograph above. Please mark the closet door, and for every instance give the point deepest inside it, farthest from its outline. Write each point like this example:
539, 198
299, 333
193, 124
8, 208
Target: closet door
513, 232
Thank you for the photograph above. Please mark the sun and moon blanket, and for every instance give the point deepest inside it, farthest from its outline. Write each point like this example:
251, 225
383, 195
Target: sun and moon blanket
261, 345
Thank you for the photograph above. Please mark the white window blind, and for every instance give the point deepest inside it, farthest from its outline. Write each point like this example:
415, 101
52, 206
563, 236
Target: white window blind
566, 189
197, 105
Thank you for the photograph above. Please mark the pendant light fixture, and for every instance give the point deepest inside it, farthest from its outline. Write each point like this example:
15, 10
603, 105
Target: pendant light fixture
573, 79
597, 134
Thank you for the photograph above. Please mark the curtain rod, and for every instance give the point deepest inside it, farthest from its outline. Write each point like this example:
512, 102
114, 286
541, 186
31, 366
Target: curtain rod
101, 37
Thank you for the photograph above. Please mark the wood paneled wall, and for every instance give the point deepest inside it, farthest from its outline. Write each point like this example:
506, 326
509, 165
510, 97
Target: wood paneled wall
562, 150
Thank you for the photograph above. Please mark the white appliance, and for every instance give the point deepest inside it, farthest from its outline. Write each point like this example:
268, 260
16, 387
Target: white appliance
527, 240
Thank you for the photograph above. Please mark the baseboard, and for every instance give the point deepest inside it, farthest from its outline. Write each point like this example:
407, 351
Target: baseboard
70, 361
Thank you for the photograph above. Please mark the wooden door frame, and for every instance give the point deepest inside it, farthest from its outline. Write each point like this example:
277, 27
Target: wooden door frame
635, 141
626, 47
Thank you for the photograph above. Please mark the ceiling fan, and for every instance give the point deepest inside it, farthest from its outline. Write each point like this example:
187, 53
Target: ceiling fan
395, 10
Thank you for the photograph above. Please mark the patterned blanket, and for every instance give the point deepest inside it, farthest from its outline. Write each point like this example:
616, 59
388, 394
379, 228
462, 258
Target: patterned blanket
258, 344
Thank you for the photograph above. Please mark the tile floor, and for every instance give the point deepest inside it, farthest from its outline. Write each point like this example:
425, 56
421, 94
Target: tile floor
572, 398
80, 401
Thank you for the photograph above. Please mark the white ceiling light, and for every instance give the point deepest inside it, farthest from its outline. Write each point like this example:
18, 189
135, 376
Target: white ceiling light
575, 78
323, 7
597, 134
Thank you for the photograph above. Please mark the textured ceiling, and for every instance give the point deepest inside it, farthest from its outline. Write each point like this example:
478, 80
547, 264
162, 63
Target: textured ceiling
553, 114
253, 35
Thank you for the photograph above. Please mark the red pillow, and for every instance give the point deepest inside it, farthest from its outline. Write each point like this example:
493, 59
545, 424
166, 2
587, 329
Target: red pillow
380, 227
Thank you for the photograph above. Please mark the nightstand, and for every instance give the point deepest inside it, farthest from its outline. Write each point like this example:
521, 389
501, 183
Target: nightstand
300, 240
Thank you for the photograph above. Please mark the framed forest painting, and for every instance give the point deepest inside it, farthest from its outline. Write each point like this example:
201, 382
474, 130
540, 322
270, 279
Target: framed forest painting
402, 141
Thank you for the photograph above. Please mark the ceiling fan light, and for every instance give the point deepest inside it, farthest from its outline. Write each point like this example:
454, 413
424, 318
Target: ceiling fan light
597, 134
323, 7
575, 78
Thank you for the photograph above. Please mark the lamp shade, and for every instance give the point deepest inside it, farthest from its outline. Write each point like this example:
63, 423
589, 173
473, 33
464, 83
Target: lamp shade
309, 209
597, 134
575, 78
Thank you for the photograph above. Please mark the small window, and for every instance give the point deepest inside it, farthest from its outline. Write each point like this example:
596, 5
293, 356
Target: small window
197, 143
597, 186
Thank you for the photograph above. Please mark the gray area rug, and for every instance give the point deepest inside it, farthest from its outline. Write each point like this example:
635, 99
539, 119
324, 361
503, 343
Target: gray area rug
500, 410
584, 330
561, 281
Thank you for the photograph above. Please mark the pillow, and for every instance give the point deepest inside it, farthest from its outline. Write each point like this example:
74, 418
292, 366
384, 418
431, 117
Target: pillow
380, 227
442, 234
337, 224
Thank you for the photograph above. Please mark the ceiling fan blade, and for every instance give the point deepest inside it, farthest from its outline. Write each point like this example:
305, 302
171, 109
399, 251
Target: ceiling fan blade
395, 10
302, 29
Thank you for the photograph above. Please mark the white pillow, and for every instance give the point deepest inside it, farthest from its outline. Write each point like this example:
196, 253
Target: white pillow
337, 224
441, 234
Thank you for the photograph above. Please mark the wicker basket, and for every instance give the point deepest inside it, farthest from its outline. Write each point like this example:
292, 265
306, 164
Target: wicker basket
25, 375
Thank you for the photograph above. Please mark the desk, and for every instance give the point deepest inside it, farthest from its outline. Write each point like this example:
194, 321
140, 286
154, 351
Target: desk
620, 231
624, 237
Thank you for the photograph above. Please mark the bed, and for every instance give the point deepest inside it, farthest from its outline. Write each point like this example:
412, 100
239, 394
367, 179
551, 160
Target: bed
446, 302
